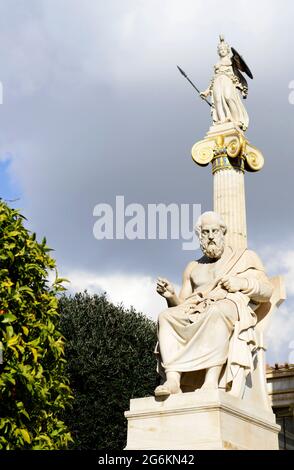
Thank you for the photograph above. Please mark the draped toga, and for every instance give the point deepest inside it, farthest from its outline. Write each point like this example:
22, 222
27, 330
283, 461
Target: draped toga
226, 100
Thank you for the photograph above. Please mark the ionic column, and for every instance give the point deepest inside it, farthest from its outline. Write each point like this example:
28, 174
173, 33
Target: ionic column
229, 197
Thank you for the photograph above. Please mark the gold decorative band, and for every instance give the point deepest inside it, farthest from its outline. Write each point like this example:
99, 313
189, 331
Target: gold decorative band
223, 162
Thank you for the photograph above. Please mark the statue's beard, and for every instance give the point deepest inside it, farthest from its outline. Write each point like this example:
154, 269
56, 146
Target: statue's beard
212, 248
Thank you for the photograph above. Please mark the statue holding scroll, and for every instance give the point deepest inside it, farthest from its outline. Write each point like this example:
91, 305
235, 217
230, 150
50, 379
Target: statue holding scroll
210, 326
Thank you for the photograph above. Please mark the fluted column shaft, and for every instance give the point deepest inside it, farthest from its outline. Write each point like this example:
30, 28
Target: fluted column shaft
229, 202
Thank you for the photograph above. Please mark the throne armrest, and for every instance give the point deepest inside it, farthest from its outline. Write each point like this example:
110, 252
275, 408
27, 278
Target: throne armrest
266, 309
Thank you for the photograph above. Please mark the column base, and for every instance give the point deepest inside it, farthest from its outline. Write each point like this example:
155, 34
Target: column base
205, 419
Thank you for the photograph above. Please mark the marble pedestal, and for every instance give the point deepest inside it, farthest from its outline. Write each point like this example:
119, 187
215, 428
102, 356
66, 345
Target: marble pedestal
200, 420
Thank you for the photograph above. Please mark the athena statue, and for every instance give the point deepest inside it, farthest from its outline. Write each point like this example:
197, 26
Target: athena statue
227, 86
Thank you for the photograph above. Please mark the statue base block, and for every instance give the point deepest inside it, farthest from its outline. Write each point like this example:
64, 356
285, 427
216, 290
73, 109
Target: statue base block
205, 419
229, 128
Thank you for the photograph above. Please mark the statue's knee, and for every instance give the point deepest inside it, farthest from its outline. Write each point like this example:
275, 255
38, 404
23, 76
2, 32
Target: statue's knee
163, 316
223, 308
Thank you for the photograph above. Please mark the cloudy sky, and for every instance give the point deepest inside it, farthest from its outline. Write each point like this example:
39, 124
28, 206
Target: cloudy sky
94, 107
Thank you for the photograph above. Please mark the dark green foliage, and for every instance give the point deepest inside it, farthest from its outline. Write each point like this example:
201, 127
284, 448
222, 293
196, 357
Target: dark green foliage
110, 359
33, 388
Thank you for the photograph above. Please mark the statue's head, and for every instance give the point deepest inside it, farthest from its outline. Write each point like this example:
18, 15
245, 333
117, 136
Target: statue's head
223, 47
211, 231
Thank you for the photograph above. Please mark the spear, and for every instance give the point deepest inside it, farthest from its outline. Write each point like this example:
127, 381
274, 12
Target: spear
194, 86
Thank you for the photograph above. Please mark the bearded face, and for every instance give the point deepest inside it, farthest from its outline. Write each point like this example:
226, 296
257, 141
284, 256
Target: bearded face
212, 241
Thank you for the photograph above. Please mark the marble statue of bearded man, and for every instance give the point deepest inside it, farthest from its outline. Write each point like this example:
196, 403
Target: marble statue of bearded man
210, 326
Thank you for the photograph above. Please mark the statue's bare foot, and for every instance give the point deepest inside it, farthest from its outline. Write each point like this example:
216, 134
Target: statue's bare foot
170, 387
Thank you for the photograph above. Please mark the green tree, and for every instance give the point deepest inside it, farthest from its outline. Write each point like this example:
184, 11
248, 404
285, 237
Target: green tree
109, 352
33, 388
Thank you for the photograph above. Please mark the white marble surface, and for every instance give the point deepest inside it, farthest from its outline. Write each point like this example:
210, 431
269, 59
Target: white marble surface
200, 420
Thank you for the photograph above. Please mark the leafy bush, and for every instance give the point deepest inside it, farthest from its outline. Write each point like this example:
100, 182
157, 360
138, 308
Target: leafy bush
109, 352
33, 388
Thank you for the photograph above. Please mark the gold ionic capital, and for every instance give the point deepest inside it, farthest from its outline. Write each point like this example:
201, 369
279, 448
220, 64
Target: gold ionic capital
234, 148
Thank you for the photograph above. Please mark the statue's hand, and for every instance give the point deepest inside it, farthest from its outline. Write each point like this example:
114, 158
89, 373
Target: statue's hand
204, 94
165, 288
234, 284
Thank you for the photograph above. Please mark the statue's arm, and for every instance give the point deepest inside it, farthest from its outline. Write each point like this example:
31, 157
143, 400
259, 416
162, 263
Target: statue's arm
258, 288
173, 301
186, 289
251, 279
207, 92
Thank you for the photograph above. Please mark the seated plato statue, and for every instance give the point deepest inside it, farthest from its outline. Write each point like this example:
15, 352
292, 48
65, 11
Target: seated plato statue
210, 326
